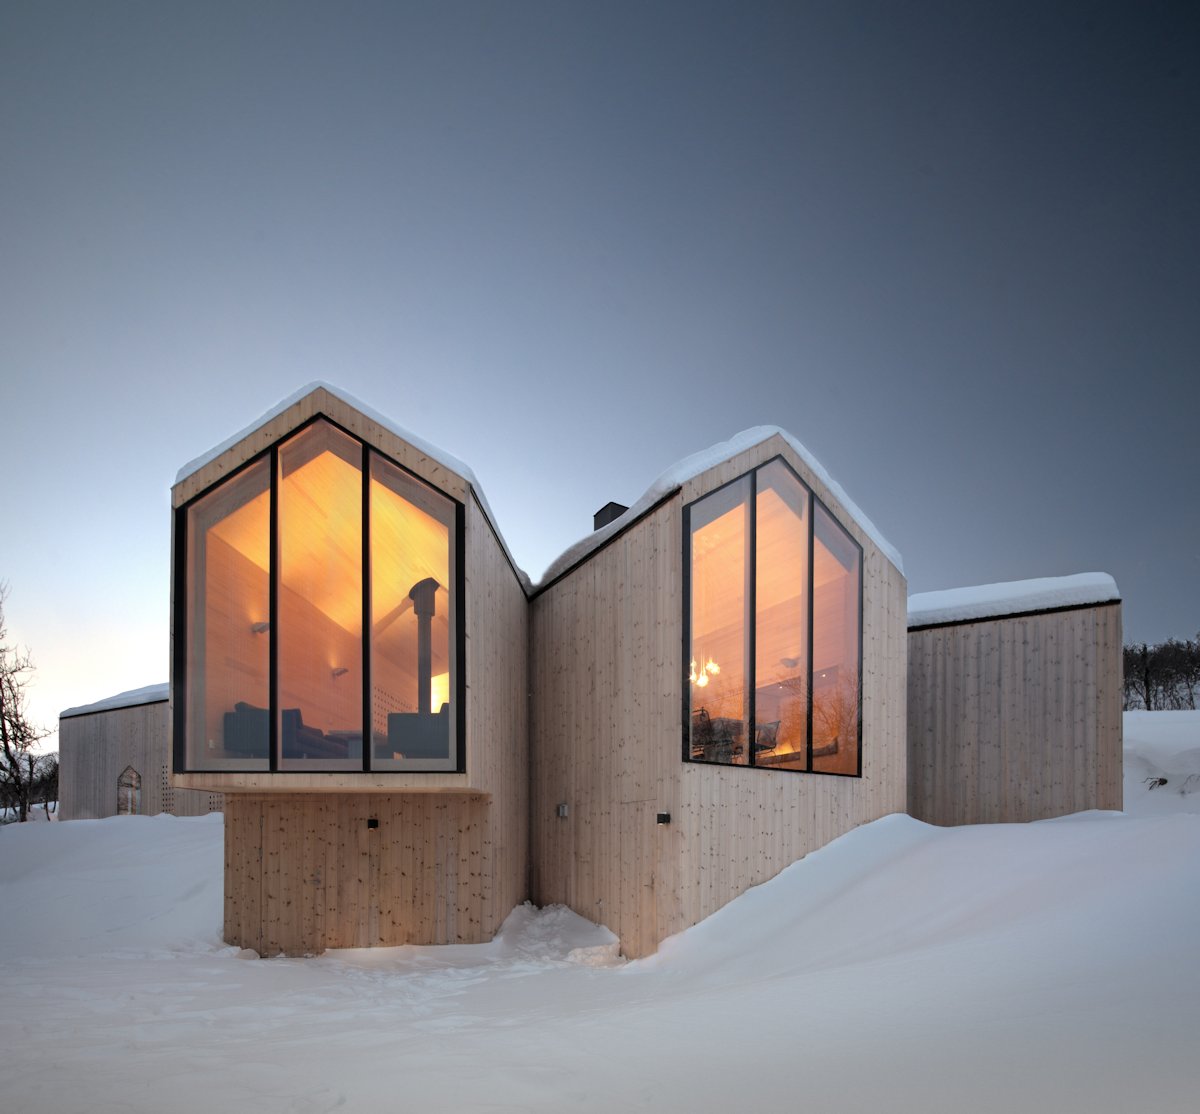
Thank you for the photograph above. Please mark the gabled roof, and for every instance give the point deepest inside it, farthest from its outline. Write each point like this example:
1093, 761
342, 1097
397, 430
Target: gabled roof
1015, 597
447, 460
690, 467
667, 482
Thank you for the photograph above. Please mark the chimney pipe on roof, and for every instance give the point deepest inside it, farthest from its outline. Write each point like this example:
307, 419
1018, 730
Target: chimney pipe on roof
606, 514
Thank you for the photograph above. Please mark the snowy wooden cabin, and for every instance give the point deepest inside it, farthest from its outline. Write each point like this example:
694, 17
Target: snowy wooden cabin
114, 760
411, 740
1014, 700
718, 690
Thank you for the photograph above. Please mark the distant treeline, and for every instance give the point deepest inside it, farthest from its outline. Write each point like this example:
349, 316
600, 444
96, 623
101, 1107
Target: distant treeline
1163, 676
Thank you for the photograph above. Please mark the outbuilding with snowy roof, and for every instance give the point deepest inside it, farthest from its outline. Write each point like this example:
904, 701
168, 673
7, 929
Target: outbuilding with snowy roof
1014, 700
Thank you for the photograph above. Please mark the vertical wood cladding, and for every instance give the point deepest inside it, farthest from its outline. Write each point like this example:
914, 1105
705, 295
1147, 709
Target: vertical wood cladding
305, 871
96, 747
606, 731
1015, 718
308, 872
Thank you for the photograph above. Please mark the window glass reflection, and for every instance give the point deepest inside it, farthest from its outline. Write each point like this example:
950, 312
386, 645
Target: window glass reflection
228, 618
781, 619
412, 622
837, 570
320, 600
719, 666
772, 571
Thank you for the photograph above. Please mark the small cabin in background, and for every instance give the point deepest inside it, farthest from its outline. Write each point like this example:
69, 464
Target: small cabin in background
114, 760
410, 739
1014, 700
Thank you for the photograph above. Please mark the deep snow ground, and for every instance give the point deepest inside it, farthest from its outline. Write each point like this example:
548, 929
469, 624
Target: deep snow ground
1039, 967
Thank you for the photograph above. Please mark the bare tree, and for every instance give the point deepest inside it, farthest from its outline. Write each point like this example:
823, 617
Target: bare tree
1163, 676
20, 766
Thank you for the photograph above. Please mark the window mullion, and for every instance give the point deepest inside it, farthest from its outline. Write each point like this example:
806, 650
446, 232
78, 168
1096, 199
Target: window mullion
752, 622
368, 710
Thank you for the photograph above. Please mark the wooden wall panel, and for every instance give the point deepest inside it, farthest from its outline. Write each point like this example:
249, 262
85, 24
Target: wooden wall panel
606, 731
95, 748
305, 871
1015, 718
496, 854
308, 872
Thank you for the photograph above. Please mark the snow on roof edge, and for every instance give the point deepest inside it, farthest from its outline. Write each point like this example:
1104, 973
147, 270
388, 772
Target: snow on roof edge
989, 601
447, 460
150, 694
691, 466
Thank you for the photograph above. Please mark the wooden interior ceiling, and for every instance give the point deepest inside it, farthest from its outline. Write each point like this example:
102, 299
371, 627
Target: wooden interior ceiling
718, 592
322, 546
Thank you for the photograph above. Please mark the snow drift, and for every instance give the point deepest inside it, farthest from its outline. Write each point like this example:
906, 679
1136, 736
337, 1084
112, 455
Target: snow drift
1046, 966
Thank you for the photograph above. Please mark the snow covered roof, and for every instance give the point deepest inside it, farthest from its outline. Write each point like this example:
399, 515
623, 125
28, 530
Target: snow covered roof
151, 694
985, 601
691, 466
669, 481
445, 459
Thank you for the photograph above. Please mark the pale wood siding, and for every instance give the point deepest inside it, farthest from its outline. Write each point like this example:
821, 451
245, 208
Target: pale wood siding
95, 748
308, 872
1015, 718
305, 872
606, 647
497, 688
606, 729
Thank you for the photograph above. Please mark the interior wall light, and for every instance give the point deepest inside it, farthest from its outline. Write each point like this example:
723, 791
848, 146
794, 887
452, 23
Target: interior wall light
339, 671
260, 628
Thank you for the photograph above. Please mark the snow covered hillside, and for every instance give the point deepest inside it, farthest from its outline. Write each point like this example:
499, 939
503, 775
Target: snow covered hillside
1037, 967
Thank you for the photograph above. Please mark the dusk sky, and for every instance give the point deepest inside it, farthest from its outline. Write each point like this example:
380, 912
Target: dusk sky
953, 248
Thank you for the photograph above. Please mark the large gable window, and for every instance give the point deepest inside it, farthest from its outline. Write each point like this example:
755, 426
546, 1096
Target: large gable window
282, 563
773, 628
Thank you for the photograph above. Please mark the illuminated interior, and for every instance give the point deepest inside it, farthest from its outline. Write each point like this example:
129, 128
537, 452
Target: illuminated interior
323, 702
761, 608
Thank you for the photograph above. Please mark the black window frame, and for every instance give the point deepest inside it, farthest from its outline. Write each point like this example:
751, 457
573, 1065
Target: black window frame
181, 633
814, 501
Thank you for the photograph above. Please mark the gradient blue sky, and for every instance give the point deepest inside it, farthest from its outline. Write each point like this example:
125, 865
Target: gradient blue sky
951, 247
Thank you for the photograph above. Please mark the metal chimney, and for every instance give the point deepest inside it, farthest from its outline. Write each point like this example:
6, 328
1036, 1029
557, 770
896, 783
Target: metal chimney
606, 514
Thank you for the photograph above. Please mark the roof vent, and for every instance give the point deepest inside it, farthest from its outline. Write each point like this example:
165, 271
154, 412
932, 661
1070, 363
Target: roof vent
606, 514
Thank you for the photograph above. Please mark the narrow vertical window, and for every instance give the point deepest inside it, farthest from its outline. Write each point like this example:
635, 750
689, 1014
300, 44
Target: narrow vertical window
719, 667
781, 619
227, 693
319, 608
413, 622
837, 577
129, 792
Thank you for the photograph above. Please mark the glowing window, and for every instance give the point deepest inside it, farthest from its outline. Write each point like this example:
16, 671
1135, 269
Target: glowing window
773, 628
282, 562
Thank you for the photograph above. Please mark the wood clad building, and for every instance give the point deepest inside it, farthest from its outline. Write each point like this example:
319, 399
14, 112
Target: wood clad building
656, 797
349, 669
410, 739
1014, 701
114, 760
